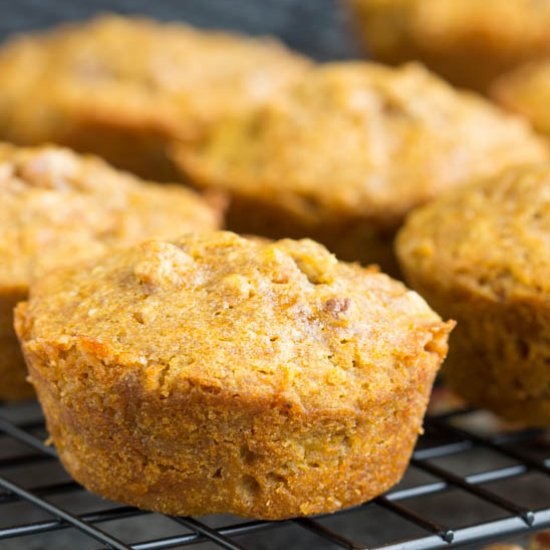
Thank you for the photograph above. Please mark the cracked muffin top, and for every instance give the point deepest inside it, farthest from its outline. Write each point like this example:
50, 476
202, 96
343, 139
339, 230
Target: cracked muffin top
359, 139
281, 320
492, 237
135, 72
57, 207
470, 42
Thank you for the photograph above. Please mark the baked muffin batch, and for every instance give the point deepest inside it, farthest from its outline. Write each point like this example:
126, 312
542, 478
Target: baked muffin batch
349, 150
189, 370
121, 88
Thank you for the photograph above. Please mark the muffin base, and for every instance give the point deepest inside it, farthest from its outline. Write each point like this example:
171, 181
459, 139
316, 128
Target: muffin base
124, 144
456, 67
197, 450
350, 239
13, 371
499, 355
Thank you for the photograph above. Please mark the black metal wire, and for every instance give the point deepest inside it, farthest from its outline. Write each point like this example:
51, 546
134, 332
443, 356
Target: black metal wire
452, 479
63, 515
210, 533
451, 442
445, 533
328, 534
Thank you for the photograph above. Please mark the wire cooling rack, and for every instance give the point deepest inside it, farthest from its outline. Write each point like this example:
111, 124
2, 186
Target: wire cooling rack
466, 483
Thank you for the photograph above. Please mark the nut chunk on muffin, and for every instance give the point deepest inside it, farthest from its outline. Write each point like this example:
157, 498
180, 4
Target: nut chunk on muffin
220, 374
347, 152
57, 207
121, 87
469, 42
482, 255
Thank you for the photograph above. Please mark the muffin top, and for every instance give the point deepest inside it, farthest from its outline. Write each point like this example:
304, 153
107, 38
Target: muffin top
459, 28
281, 322
491, 237
58, 207
134, 72
359, 139
527, 91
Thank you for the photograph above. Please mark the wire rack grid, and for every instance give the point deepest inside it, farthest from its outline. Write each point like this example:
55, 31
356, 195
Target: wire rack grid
464, 485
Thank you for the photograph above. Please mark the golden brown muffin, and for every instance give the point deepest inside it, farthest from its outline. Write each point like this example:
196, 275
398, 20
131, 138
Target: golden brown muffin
469, 42
481, 254
345, 153
120, 87
526, 91
57, 207
220, 374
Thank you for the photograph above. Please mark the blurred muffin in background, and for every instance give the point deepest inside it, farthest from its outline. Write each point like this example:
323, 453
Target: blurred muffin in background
119, 87
57, 207
469, 42
344, 154
481, 254
526, 91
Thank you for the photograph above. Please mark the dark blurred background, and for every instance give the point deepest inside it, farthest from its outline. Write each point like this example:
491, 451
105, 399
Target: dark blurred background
316, 27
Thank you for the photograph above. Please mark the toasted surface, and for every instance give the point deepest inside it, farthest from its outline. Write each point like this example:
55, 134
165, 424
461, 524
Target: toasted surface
132, 78
356, 144
464, 40
242, 316
526, 91
286, 347
481, 254
57, 208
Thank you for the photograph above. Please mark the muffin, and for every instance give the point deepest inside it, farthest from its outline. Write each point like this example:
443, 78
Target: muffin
469, 42
481, 254
220, 374
526, 91
346, 152
121, 87
57, 207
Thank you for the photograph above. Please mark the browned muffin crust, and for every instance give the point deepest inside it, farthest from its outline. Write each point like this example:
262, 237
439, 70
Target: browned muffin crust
220, 374
469, 42
526, 91
57, 207
482, 255
349, 150
120, 87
